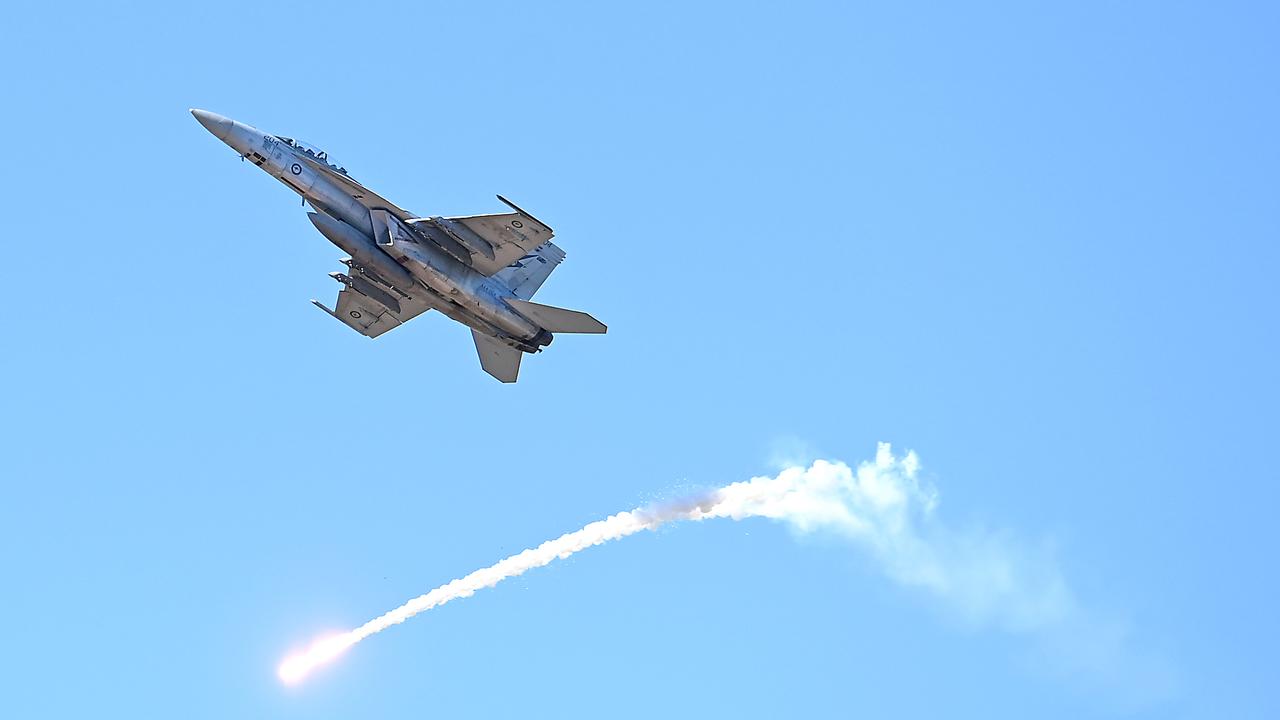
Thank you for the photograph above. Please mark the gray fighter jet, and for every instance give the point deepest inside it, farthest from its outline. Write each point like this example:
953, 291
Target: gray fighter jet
480, 270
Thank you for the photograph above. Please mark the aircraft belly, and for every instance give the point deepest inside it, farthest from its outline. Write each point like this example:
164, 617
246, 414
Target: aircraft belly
461, 289
465, 288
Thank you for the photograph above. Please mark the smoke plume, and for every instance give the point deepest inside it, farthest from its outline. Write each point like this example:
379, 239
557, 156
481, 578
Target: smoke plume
881, 506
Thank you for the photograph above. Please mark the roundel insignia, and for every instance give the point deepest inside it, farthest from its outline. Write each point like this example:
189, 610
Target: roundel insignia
355, 314
296, 169
517, 224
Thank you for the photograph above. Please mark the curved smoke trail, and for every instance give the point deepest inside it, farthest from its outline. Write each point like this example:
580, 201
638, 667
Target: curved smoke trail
879, 505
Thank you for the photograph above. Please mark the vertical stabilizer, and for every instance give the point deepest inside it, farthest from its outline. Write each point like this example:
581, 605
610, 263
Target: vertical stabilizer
497, 358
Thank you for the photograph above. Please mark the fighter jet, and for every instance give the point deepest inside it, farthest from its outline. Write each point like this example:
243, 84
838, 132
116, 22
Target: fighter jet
480, 270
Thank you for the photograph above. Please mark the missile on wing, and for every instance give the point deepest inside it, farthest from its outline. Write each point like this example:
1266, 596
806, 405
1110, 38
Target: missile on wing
368, 289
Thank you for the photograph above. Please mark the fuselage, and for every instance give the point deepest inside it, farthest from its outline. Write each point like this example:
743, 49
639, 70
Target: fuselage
443, 281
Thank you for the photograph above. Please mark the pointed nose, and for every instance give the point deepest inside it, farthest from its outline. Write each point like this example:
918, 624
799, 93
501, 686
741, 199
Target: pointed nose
213, 122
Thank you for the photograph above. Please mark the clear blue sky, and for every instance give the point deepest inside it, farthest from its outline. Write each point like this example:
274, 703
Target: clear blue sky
1036, 243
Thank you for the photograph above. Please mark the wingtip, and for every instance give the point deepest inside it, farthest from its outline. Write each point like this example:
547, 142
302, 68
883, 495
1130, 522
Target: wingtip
325, 308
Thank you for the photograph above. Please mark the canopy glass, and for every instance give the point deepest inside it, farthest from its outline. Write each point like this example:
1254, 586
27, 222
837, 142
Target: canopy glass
313, 151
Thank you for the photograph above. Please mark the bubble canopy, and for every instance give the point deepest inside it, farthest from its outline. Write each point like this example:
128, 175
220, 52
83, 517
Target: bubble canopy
312, 150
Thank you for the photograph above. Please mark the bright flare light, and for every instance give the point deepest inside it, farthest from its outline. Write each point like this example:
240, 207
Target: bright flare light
296, 666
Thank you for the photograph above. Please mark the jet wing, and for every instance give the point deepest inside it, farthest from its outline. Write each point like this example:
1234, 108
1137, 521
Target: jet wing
369, 308
497, 241
487, 243
527, 274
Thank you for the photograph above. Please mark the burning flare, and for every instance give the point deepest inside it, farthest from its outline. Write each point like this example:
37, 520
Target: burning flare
296, 666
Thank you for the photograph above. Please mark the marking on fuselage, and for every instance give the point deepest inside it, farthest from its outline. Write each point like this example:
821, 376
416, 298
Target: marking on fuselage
296, 169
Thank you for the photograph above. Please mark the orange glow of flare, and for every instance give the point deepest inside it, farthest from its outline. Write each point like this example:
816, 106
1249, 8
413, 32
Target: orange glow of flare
296, 667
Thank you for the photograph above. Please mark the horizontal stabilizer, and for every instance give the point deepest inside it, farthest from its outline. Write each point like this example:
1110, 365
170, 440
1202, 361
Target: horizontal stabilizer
557, 320
497, 358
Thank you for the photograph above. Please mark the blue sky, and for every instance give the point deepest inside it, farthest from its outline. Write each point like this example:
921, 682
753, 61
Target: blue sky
1035, 243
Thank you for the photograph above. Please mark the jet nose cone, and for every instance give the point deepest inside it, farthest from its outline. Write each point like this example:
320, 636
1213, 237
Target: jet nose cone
213, 122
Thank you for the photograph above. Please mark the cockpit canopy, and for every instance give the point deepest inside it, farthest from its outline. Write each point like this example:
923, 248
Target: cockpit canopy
313, 151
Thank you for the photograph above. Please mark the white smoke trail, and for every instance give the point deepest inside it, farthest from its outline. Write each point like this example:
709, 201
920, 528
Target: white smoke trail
295, 667
880, 506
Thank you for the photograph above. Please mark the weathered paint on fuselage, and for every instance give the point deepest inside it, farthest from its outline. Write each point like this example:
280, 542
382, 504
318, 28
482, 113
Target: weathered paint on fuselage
448, 285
